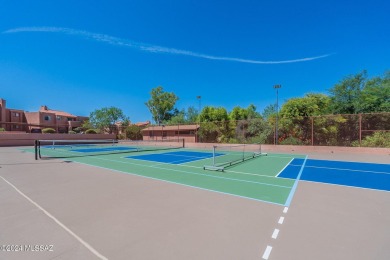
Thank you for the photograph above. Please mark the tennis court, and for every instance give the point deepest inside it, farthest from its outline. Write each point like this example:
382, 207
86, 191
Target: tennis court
353, 174
149, 200
244, 174
269, 178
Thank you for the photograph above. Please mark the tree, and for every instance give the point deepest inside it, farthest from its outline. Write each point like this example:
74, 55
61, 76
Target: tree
105, 118
133, 132
296, 112
215, 126
240, 118
259, 131
161, 104
192, 114
213, 114
375, 96
310, 105
184, 116
345, 95
178, 118
357, 94
239, 113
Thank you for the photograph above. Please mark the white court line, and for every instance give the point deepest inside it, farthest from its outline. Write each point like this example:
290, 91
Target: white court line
275, 233
193, 173
285, 210
284, 168
254, 174
281, 220
190, 166
295, 186
85, 244
197, 167
178, 183
348, 186
267, 252
345, 169
179, 155
151, 161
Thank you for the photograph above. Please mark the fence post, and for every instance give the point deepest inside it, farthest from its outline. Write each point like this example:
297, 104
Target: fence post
360, 129
312, 131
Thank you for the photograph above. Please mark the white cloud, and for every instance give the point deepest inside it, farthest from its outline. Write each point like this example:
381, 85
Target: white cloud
149, 47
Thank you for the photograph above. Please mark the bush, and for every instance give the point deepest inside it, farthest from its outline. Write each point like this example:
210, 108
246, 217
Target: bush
77, 130
133, 132
121, 136
91, 131
72, 132
291, 141
378, 139
2, 129
48, 131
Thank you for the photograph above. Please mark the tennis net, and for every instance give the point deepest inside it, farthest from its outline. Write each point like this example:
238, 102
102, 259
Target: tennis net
225, 156
79, 148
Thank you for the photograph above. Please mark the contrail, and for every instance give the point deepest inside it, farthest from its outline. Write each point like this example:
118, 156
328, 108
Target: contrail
149, 47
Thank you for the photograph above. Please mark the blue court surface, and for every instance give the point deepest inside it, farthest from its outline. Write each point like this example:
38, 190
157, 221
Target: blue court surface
353, 174
103, 149
178, 157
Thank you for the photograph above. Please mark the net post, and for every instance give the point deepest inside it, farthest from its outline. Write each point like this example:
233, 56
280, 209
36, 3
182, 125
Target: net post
214, 155
243, 153
36, 149
184, 143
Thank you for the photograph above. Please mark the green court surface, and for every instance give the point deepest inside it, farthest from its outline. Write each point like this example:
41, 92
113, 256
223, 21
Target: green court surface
253, 179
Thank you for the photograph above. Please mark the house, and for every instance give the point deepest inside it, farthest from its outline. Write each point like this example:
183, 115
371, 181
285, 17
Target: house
187, 132
19, 120
61, 121
11, 119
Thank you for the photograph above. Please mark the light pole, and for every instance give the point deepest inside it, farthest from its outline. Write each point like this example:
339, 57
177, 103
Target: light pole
200, 103
277, 87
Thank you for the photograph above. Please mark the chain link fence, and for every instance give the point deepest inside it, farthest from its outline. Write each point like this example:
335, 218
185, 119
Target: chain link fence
330, 130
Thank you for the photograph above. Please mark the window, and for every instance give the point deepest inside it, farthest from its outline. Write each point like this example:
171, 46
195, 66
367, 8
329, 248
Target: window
183, 132
16, 114
15, 126
59, 118
47, 118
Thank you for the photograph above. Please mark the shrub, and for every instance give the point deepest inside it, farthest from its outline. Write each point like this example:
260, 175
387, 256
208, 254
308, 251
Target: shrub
77, 130
291, 141
91, 131
121, 136
378, 139
2, 129
48, 131
72, 132
133, 132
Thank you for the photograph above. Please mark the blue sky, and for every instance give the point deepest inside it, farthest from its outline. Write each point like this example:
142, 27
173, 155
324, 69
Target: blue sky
79, 56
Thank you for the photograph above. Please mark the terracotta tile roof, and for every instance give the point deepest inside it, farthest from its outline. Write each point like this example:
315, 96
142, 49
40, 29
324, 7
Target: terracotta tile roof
142, 123
171, 128
57, 112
